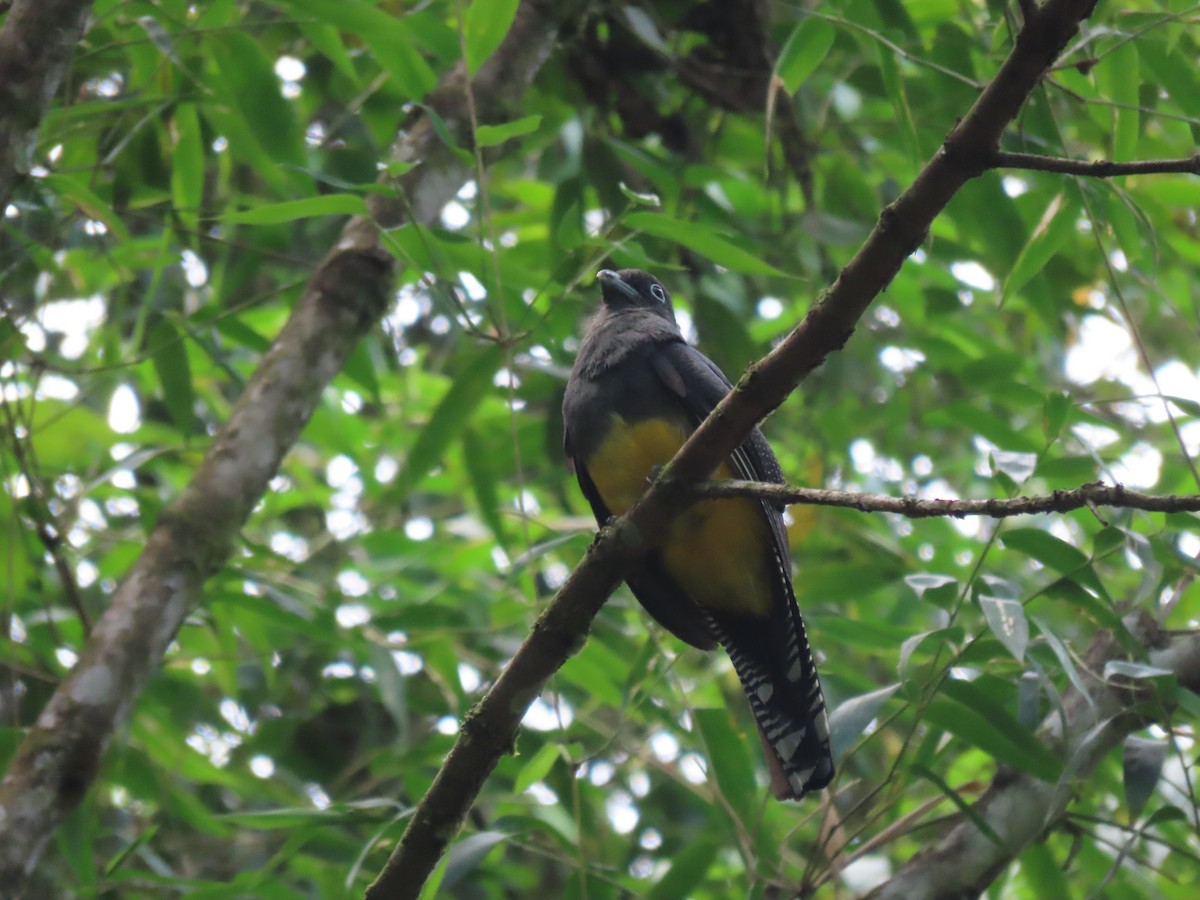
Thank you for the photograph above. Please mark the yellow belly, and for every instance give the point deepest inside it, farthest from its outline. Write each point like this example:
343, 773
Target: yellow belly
717, 549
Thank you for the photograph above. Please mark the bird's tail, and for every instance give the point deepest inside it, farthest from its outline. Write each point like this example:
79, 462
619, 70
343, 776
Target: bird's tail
774, 663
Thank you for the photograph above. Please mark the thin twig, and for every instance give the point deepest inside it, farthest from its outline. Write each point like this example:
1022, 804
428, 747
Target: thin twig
1094, 494
1093, 168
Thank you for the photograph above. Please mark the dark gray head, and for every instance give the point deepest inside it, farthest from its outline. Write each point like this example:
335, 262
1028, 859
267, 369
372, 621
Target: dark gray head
636, 311
635, 289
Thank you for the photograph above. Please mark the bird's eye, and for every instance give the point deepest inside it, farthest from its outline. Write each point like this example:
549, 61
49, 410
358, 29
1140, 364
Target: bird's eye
657, 292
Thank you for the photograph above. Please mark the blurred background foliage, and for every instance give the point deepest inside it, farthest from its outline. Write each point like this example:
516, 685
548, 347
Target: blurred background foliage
194, 169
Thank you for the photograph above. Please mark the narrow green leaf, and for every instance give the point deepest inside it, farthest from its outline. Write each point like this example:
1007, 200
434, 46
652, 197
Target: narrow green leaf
910, 645
537, 768
956, 798
492, 135
485, 26
643, 26
249, 84
1029, 692
805, 50
729, 761
701, 239
1187, 406
1055, 411
1056, 225
1141, 765
389, 38
1122, 83
187, 165
451, 416
1043, 873
325, 38
78, 194
1007, 620
969, 713
688, 868
484, 481
465, 855
1064, 659
174, 375
1052, 552
290, 210
852, 717
889, 71
1126, 669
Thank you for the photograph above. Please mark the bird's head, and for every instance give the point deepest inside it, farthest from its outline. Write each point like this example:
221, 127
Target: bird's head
635, 289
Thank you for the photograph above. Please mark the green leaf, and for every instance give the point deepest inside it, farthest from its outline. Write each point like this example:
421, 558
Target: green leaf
174, 375
1007, 620
1064, 659
688, 868
1141, 766
805, 50
465, 855
493, 135
1125, 669
389, 38
290, 210
852, 717
187, 166
1057, 408
537, 768
968, 713
728, 761
484, 28
1121, 79
649, 199
1043, 873
78, 194
701, 239
1056, 225
967, 810
485, 479
451, 415
1054, 553
250, 86
889, 71
933, 587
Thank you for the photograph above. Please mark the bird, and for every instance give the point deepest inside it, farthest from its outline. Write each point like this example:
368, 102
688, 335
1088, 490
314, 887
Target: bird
722, 573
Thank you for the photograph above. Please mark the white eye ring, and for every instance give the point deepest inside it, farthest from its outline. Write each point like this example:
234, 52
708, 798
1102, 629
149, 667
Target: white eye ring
657, 292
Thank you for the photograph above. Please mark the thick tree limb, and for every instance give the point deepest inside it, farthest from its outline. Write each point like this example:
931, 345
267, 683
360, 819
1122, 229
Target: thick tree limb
1088, 495
489, 729
57, 761
1020, 808
1094, 168
35, 52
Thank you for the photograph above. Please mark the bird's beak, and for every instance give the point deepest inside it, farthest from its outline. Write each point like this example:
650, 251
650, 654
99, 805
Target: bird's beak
611, 281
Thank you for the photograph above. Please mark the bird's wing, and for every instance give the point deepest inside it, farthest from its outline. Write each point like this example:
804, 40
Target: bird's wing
655, 589
771, 655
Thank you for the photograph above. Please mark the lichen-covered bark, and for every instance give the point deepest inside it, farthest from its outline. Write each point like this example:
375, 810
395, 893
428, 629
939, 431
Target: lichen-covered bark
1020, 808
57, 761
35, 51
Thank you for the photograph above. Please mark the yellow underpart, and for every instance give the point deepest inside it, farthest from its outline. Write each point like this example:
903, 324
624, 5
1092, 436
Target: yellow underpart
716, 549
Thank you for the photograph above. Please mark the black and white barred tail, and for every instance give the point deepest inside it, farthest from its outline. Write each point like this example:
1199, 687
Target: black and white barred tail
773, 661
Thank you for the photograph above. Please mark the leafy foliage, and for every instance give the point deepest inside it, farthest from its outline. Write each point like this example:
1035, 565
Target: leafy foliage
1043, 336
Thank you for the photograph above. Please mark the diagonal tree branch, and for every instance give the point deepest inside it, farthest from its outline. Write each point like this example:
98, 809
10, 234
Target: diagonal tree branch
1019, 808
57, 761
36, 43
1088, 495
489, 729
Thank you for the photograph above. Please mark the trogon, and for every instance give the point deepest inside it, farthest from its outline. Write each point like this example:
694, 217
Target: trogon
722, 573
